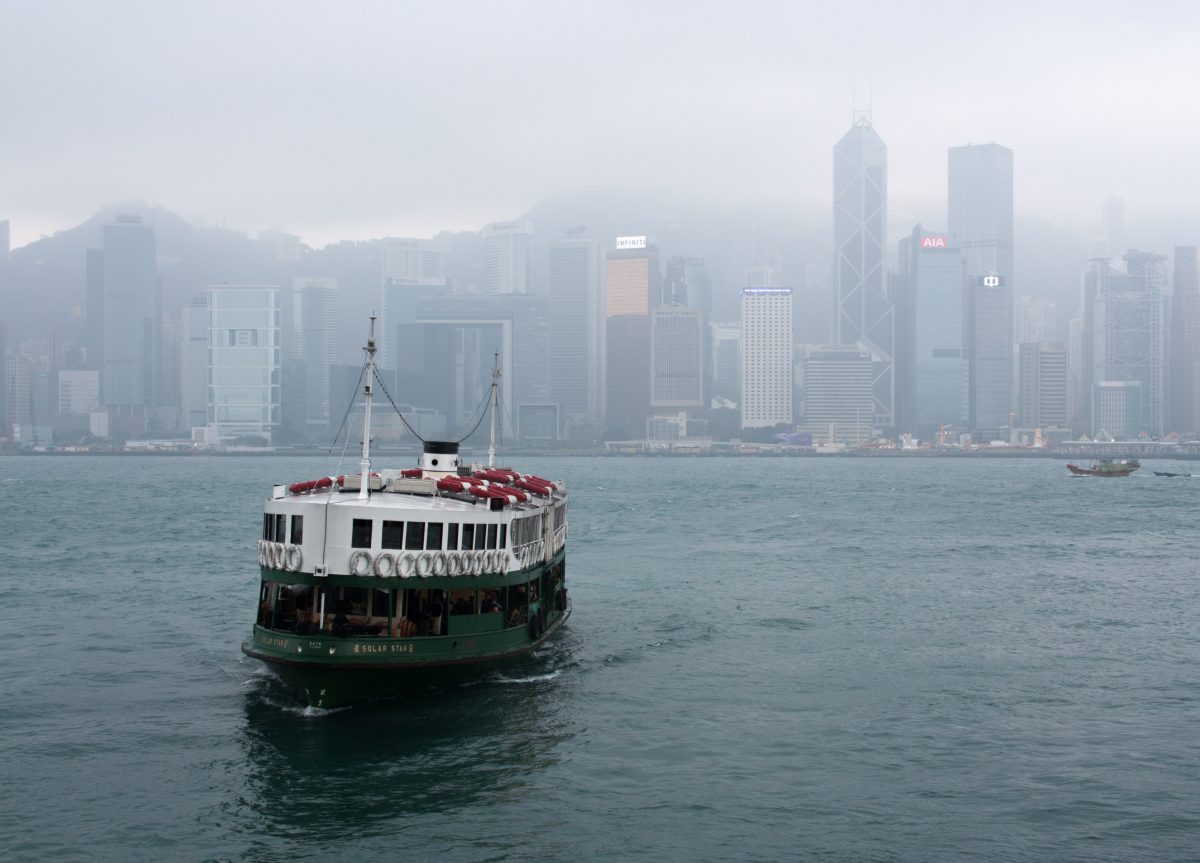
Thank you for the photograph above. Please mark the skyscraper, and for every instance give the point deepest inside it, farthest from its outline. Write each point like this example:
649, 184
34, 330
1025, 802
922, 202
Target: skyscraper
193, 362
1043, 390
243, 361
1184, 367
411, 270
576, 328
314, 336
506, 252
838, 398
130, 326
687, 283
677, 339
1123, 335
865, 316
980, 211
633, 287
766, 357
940, 369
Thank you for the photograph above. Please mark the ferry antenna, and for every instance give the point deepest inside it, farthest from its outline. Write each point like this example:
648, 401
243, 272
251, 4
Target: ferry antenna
364, 465
494, 393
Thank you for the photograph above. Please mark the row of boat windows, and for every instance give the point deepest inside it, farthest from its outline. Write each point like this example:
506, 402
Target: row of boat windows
432, 535
418, 535
357, 611
275, 528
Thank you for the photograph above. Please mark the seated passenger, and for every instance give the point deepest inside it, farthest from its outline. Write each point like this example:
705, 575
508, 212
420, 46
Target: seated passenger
491, 604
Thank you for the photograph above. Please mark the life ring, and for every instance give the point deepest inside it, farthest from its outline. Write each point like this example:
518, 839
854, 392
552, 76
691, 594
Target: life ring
453, 564
489, 561
439, 564
295, 558
424, 564
385, 564
278, 555
405, 565
360, 563
476, 562
483, 562
262, 552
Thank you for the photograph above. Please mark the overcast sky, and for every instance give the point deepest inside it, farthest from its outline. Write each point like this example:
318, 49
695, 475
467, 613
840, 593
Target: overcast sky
358, 120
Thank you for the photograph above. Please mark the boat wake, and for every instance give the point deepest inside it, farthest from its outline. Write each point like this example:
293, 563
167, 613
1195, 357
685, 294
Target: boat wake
533, 678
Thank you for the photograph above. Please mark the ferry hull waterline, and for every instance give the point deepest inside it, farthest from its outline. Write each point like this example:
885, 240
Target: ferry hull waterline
393, 581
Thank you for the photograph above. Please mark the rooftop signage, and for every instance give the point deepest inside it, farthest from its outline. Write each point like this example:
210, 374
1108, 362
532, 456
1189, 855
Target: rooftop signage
631, 242
753, 291
991, 281
935, 241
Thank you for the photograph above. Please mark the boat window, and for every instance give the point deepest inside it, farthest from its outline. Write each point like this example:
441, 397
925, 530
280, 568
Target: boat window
468, 538
356, 600
452, 536
480, 535
492, 602
533, 591
393, 534
379, 603
516, 605
280, 527
360, 535
415, 540
462, 602
504, 536
493, 531
297, 529
433, 539
268, 527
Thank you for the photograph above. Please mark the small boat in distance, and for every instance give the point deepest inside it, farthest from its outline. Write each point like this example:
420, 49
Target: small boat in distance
1164, 473
1106, 467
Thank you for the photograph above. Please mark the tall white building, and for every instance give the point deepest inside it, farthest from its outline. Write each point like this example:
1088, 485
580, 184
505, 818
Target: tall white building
506, 251
766, 357
243, 361
410, 269
314, 336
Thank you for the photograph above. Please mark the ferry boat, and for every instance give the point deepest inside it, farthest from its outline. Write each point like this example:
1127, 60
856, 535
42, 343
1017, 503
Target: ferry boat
388, 581
1106, 467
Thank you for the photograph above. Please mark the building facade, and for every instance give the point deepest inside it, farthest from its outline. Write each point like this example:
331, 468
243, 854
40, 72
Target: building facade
1184, 366
243, 362
838, 393
130, 343
677, 345
314, 340
411, 270
507, 247
990, 352
766, 357
1043, 401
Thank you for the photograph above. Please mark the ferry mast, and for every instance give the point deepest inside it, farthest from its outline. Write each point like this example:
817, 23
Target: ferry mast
364, 465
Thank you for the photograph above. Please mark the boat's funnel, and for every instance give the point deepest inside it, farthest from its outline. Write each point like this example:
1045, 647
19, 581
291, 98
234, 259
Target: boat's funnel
440, 456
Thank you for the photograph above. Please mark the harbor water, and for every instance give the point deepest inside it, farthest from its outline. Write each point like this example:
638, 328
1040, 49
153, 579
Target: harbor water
769, 659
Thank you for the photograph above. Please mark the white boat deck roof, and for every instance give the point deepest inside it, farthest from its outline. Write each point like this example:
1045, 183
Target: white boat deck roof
388, 500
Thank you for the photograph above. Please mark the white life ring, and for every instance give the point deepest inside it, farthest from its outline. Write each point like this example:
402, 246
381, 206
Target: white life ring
405, 565
424, 564
278, 555
439, 564
360, 563
385, 564
262, 552
480, 563
523, 556
492, 561
468, 563
295, 558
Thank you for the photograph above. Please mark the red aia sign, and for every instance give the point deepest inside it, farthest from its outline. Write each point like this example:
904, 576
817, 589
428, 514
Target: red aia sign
934, 241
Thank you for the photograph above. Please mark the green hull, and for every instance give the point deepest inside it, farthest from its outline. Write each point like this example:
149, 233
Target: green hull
333, 671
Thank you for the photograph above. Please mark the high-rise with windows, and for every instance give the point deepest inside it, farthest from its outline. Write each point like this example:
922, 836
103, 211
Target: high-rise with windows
838, 399
243, 362
678, 341
1043, 385
766, 357
865, 315
935, 314
506, 251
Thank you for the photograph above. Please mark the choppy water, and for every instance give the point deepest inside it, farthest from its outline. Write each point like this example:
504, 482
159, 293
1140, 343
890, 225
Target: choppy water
768, 660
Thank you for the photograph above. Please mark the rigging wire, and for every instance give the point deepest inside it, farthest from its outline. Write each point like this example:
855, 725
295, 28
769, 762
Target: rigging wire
346, 415
383, 387
487, 400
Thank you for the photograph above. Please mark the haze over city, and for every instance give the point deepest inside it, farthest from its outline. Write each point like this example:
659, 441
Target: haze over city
679, 224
